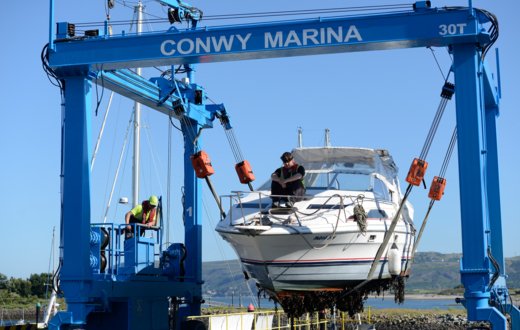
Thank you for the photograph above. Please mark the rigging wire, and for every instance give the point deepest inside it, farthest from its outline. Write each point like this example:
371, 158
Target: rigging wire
437, 62
442, 173
302, 12
118, 168
112, 153
100, 135
155, 160
447, 92
449, 153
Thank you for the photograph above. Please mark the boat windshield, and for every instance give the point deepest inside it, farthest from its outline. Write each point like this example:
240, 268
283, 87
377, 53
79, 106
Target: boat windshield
316, 180
338, 180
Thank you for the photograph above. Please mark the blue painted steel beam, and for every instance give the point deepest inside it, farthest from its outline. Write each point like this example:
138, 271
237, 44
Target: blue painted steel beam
431, 27
76, 273
493, 186
491, 92
472, 137
192, 219
155, 94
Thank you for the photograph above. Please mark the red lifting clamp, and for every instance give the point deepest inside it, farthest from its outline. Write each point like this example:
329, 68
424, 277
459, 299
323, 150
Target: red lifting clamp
416, 173
202, 164
244, 171
437, 188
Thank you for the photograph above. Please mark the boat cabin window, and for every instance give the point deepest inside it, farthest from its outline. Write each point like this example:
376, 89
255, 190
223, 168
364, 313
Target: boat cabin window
338, 181
381, 191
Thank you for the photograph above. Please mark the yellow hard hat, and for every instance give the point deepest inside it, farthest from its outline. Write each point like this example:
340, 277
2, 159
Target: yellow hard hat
154, 200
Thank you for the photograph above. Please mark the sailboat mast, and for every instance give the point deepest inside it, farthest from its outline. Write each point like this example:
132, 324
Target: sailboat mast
137, 121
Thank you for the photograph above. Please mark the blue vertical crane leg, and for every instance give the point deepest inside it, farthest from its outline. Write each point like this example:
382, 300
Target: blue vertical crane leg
495, 218
76, 273
192, 220
471, 134
493, 189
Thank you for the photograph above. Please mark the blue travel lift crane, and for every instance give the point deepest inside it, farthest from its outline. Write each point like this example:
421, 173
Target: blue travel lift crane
136, 295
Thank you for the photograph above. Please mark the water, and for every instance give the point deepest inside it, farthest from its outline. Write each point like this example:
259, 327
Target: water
379, 303
388, 302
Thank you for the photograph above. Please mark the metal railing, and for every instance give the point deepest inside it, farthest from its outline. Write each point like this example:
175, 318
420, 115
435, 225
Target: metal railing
115, 250
279, 320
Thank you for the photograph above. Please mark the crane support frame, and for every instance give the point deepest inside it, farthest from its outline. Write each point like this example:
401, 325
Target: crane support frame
438, 28
109, 57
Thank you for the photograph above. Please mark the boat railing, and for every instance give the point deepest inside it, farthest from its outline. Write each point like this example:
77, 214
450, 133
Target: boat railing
262, 205
112, 246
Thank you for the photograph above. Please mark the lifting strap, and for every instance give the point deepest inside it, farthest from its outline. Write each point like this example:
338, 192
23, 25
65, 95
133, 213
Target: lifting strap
203, 170
418, 168
436, 194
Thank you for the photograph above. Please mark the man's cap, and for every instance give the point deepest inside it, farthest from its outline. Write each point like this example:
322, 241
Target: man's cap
286, 157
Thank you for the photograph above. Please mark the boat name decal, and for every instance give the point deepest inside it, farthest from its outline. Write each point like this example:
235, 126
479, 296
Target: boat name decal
269, 40
323, 238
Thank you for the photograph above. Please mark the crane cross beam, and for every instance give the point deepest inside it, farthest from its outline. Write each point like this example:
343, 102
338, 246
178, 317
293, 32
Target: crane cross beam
422, 28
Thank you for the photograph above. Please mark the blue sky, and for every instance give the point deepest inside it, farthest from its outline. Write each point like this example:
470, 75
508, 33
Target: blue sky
383, 99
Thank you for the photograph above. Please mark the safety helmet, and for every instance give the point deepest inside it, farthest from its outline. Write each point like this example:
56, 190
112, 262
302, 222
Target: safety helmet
154, 200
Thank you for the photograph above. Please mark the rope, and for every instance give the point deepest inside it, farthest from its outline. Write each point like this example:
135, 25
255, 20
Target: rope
360, 215
383, 245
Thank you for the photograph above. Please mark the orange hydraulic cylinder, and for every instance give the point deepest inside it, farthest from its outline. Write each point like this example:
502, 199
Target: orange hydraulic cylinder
437, 188
202, 164
416, 172
244, 171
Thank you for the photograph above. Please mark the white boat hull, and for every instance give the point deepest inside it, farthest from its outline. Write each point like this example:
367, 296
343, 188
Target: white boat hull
297, 259
319, 251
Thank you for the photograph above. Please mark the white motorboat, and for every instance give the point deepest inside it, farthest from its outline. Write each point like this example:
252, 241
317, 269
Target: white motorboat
323, 247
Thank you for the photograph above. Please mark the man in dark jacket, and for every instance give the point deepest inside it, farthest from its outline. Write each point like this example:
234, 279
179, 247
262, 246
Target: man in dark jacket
287, 181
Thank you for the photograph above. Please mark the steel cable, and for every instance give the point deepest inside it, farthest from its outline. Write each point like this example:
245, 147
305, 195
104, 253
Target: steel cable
158, 19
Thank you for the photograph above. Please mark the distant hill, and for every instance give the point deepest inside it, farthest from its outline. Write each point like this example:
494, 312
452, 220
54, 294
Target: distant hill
431, 272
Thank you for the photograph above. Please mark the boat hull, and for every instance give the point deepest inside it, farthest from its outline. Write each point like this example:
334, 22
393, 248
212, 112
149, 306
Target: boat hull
297, 259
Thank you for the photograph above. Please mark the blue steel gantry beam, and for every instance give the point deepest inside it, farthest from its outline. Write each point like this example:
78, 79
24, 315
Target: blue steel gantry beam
463, 30
434, 27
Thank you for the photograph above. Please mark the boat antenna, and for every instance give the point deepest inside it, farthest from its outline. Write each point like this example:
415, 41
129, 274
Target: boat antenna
327, 137
300, 137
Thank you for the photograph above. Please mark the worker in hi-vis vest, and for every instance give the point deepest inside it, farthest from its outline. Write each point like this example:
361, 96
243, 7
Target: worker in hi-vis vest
144, 213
